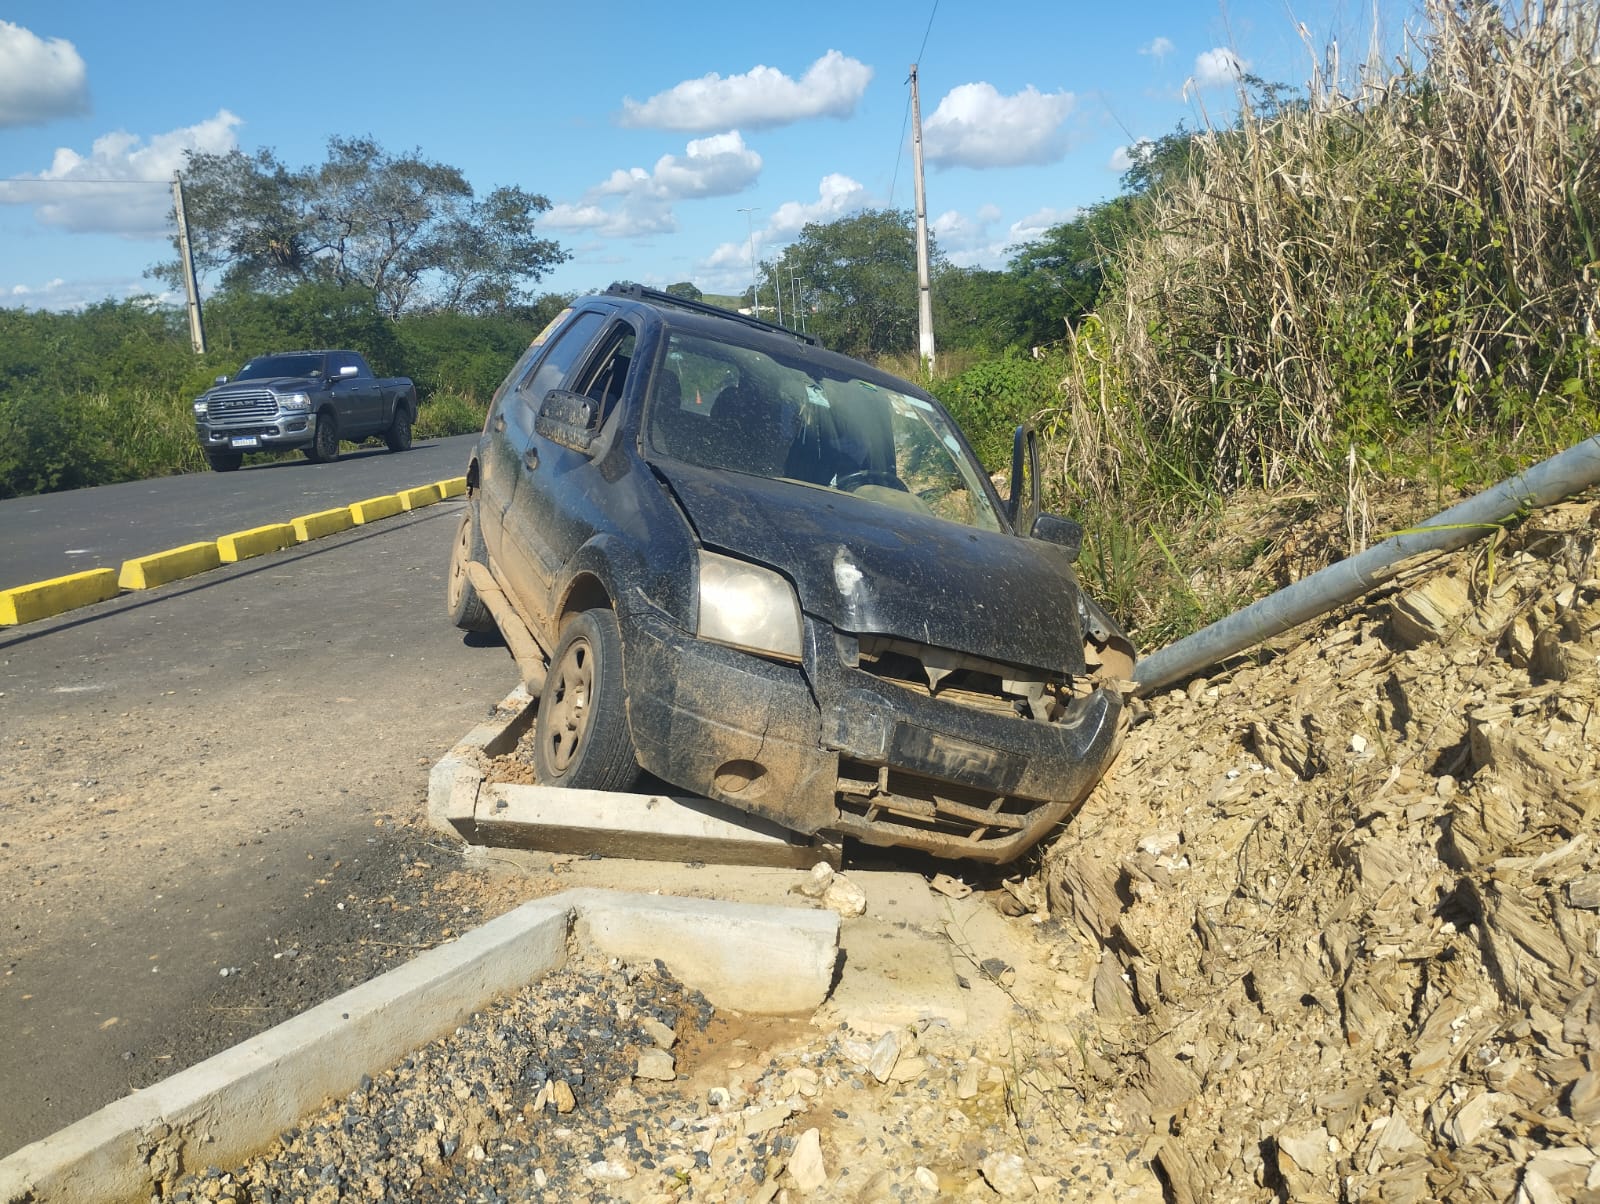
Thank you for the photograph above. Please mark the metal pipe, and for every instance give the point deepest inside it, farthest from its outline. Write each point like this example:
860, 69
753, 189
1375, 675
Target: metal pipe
1547, 482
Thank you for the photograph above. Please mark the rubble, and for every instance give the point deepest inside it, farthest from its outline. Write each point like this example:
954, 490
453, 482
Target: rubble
1343, 897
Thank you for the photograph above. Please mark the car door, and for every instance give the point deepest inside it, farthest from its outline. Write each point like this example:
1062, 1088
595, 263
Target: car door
352, 395
561, 498
514, 447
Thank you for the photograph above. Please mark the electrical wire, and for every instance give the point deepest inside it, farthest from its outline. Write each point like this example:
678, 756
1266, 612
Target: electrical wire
905, 120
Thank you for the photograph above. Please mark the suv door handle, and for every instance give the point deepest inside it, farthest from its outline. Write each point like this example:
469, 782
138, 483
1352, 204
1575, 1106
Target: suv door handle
499, 423
531, 458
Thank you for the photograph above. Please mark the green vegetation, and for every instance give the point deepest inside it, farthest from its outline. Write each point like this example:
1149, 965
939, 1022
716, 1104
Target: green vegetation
1375, 286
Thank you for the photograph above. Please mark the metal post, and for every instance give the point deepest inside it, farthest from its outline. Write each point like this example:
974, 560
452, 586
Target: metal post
755, 292
794, 300
197, 330
924, 294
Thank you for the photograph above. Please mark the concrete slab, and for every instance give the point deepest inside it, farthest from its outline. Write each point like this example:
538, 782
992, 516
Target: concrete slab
743, 957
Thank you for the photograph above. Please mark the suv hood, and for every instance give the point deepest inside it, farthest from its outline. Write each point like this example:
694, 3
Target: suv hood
867, 568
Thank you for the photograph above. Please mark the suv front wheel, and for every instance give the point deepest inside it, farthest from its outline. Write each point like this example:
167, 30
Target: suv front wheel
581, 736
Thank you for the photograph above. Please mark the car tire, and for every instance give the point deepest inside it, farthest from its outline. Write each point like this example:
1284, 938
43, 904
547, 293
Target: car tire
398, 437
581, 736
466, 607
224, 461
324, 448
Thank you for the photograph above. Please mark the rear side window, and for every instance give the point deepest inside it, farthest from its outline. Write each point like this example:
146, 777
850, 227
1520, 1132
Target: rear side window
565, 351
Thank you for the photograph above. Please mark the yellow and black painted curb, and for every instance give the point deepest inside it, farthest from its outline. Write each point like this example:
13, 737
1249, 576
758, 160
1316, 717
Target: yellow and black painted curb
44, 599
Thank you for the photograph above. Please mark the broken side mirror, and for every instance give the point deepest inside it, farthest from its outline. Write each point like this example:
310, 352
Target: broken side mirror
1023, 505
568, 419
1063, 532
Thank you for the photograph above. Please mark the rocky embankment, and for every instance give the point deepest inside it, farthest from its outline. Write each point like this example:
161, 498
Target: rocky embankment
1344, 900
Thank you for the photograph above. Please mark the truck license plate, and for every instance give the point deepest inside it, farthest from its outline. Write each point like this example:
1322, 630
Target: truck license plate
245, 441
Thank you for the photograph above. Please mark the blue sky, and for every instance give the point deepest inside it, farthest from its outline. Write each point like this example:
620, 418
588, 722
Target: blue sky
651, 129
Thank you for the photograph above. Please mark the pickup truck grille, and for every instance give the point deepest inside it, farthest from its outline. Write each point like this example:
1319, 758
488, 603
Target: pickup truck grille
239, 408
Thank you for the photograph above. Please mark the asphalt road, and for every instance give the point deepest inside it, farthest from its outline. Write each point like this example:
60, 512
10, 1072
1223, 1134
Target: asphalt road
54, 534
218, 774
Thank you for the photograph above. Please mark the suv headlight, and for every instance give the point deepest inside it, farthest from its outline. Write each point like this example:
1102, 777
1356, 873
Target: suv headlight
748, 607
294, 401
200, 409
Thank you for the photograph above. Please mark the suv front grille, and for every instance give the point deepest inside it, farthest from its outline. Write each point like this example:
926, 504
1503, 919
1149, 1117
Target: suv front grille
880, 805
236, 409
964, 680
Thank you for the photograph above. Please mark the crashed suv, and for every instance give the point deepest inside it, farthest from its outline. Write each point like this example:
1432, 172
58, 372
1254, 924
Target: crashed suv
777, 577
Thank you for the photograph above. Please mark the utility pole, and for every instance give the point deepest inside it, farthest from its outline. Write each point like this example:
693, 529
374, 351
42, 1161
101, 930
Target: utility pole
794, 300
197, 330
777, 288
924, 293
755, 294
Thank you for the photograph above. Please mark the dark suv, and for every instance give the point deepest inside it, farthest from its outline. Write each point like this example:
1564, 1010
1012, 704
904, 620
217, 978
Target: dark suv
778, 577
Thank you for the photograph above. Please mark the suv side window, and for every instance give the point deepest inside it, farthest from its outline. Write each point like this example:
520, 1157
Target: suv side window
606, 375
558, 362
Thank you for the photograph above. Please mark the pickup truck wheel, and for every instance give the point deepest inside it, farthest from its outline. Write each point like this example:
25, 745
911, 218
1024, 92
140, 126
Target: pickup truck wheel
224, 461
398, 436
324, 447
466, 608
581, 736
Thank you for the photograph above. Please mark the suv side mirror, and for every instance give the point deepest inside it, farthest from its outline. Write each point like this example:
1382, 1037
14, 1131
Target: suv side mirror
347, 370
1023, 505
1063, 532
568, 419
221, 380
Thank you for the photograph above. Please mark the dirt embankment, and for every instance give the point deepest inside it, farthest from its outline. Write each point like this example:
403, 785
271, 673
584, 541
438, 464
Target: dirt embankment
1343, 899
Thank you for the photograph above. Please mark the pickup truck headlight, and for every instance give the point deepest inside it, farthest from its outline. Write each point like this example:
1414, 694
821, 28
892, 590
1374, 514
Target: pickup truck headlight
748, 607
294, 401
200, 409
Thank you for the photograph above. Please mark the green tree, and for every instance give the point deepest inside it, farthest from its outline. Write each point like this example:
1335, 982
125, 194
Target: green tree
408, 229
685, 289
859, 277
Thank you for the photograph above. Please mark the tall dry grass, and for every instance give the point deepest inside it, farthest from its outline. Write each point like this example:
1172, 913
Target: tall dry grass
1419, 249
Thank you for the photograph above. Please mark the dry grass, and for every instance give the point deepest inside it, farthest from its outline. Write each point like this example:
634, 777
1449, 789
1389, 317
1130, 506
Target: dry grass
1388, 272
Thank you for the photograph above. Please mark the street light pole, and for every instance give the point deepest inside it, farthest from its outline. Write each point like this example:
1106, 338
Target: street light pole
755, 293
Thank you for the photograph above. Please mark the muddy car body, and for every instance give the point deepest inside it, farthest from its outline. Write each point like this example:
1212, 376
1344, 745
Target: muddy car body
777, 577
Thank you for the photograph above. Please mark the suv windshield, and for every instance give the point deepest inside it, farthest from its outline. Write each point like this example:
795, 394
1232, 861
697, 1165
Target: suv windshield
281, 365
728, 407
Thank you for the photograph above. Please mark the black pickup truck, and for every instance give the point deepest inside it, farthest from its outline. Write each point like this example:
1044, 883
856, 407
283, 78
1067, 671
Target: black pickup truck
304, 399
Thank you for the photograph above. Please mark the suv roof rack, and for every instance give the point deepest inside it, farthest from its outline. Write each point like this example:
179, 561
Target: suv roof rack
640, 293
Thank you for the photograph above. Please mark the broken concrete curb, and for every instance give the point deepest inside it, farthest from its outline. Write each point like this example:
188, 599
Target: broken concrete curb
655, 827
741, 956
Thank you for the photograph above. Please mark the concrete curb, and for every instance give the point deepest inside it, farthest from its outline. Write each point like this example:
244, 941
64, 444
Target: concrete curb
741, 956
25, 603
647, 827
46, 599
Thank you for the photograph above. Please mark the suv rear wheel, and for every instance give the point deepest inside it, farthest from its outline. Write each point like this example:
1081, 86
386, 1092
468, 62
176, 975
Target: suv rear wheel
398, 436
466, 608
581, 736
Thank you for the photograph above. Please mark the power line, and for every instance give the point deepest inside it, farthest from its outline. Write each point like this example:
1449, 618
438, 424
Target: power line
906, 117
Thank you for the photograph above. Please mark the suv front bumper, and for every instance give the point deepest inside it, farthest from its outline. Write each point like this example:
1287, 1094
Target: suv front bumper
826, 746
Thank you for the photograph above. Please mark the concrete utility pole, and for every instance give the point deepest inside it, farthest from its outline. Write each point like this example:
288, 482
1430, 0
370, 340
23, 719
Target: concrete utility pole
794, 301
197, 330
924, 293
755, 294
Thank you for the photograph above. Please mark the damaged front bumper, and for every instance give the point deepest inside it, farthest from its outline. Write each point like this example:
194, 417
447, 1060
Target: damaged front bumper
826, 746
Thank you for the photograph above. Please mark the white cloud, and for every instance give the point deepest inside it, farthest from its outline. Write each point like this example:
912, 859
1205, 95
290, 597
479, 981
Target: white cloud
1217, 67
635, 218
74, 196
1158, 48
60, 295
1033, 226
975, 126
837, 195
1125, 157
718, 166
39, 80
762, 97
